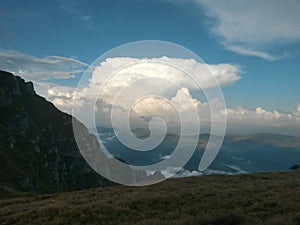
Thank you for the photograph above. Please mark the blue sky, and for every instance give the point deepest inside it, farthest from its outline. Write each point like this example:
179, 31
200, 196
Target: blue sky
261, 37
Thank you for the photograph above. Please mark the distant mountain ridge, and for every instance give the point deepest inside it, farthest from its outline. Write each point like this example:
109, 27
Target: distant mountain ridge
38, 151
269, 138
260, 152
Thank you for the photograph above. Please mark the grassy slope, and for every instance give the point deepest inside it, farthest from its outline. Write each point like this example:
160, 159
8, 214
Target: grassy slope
266, 198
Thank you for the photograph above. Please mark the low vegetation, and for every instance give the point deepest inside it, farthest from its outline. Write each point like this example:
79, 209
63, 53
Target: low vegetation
265, 198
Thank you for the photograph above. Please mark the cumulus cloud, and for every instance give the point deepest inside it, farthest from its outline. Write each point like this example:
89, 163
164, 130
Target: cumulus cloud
39, 69
296, 112
245, 120
254, 27
60, 96
208, 76
240, 119
123, 81
170, 110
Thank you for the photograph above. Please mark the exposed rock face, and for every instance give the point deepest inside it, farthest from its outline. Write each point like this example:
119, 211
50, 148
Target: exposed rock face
38, 151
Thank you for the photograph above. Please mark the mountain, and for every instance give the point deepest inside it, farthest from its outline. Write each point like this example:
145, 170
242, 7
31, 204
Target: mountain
258, 153
38, 152
238, 154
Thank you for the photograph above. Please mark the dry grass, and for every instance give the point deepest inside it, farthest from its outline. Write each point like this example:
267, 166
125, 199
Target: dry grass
266, 198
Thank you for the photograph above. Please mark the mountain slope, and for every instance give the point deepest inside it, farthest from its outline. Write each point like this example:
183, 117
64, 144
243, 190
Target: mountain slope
38, 152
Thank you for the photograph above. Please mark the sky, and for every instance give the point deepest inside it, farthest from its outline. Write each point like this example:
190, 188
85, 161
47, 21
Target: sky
256, 43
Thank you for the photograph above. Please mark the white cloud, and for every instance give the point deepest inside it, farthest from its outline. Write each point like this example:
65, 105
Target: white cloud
258, 114
132, 79
254, 27
184, 100
38, 69
164, 68
243, 120
243, 51
170, 110
296, 112
240, 119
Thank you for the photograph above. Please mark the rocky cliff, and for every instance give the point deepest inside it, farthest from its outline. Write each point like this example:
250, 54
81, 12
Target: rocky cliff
38, 152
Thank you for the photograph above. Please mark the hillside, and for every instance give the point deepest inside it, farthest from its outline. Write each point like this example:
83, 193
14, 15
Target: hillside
38, 152
265, 198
